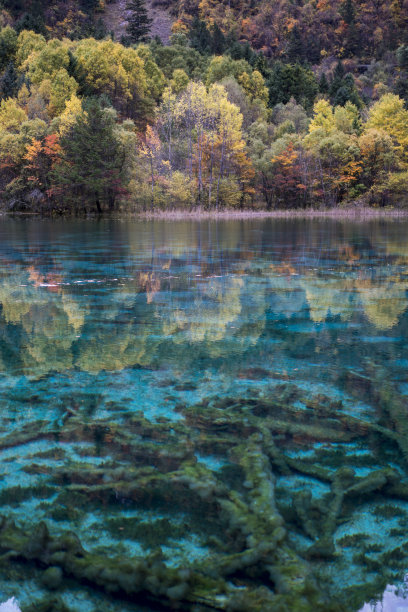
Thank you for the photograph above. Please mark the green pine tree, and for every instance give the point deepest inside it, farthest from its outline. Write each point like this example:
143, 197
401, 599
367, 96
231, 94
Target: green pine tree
218, 43
200, 37
89, 174
139, 22
337, 80
323, 84
345, 92
295, 50
291, 80
402, 56
9, 82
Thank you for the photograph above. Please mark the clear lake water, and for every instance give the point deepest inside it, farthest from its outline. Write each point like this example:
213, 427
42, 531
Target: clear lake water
204, 415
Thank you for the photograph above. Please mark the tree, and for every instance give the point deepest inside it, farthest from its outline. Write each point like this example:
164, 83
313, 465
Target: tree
200, 37
295, 50
323, 84
179, 81
348, 12
378, 155
402, 56
90, 172
218, 42
9, 82
288, 187
323, 118
40, 158
155, 78
292, 80
223, 66
11, 115
28, 42
390, 116
67, 119
150, 148
347, 93
342, 88
293, 112
333, 147
110, 68
337, 80
8, 44
139, 22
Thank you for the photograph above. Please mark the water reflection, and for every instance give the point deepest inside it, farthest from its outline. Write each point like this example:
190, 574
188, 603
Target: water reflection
133, 288
141, 360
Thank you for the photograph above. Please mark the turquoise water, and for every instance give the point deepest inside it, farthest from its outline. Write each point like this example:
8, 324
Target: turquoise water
203, 416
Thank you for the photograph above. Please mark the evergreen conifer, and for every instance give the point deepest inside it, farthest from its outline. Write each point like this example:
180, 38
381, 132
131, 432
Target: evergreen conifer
9, 82
200, 37
218, 43
90, 169
323, 84
295, 48
139, 22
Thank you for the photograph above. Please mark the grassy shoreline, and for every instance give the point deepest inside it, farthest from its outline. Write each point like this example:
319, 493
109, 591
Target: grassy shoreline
200, 214
365, 213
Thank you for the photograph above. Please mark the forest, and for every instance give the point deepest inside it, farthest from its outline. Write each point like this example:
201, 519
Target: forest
257, 105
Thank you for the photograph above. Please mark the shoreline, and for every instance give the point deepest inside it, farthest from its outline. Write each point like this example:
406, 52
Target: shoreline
353, 213
364, 213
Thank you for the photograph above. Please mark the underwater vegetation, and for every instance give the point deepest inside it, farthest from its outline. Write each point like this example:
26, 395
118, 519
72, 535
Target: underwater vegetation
202, 417
270, 517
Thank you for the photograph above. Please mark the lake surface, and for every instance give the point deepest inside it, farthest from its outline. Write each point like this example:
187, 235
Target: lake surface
204, 416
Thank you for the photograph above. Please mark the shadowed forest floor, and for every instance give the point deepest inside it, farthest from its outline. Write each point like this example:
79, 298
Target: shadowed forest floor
115, 19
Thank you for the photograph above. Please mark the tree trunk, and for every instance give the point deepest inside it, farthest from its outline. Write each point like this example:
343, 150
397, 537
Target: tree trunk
98, 204
152, 173
221, 173
210, 180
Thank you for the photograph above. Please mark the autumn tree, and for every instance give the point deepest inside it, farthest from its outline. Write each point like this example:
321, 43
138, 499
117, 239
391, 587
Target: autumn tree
288, 187
150, 148
333, 146
390, 115
8, 45
215, 149
41, 157
112, 69
348, 12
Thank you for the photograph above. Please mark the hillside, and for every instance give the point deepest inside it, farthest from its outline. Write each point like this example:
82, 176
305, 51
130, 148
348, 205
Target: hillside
115, 20
215, 105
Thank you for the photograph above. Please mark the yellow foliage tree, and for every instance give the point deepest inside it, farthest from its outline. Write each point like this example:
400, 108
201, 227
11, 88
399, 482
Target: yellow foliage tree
69, 116
390, 115
11, 115
115, 70
323, 118
27, 43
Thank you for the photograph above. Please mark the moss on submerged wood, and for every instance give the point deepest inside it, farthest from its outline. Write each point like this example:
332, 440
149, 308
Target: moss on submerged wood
254, 560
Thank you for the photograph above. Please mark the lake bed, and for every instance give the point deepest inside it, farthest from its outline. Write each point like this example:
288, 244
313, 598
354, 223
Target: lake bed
203, 415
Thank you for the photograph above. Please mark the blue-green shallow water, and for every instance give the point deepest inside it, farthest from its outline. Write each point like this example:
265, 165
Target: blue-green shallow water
222, 405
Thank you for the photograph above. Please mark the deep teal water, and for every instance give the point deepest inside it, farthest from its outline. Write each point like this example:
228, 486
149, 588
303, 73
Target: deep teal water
143, 366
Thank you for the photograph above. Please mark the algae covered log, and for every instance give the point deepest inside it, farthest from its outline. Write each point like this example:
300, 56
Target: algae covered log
264, 486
